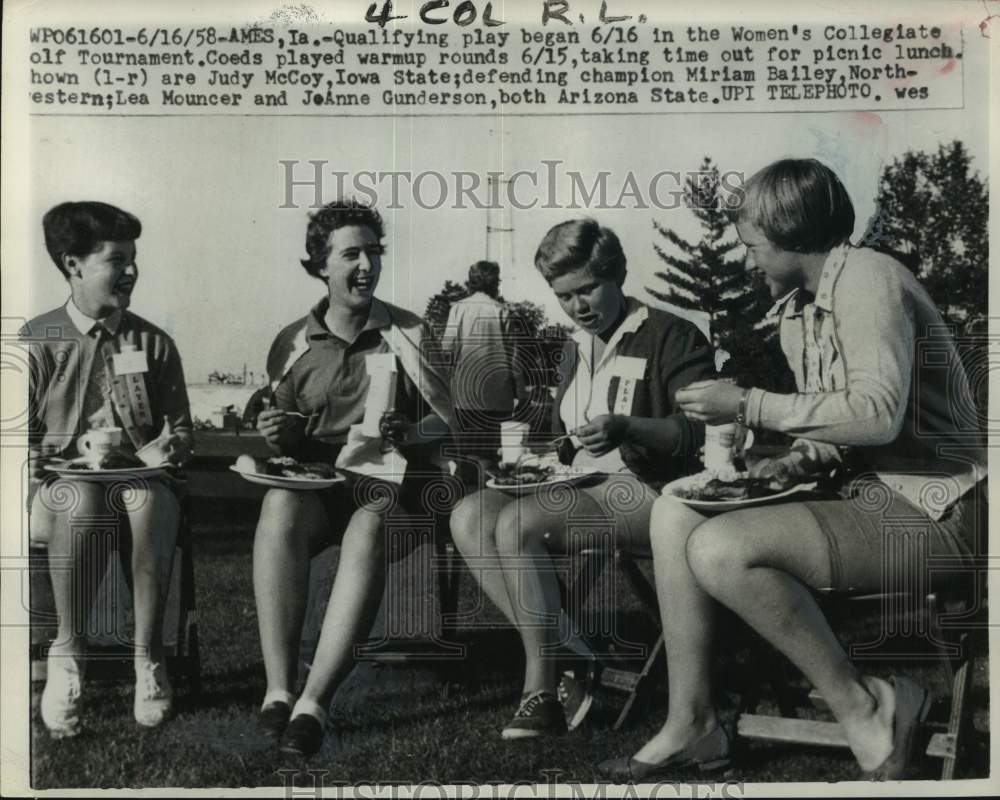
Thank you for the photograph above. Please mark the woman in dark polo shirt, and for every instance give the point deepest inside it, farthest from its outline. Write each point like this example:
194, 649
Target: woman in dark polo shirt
319, 371
620, 373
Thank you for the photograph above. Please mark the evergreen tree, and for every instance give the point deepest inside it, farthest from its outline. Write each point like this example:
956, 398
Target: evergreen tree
707, 276
932, 215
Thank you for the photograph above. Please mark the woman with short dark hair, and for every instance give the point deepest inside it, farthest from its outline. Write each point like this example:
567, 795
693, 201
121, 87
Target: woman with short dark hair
97, 368
618, 377
869, 406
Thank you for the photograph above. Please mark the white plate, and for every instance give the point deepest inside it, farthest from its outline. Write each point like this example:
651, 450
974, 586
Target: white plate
728, 505
562, 477
103, 474
281, 482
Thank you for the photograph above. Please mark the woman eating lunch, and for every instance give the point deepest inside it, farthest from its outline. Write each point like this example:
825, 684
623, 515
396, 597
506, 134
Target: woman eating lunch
618, 379
882, 401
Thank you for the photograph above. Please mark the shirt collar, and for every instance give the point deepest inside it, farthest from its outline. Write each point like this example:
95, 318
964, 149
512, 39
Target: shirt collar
85, 324
832, 267
378, 319
635, 314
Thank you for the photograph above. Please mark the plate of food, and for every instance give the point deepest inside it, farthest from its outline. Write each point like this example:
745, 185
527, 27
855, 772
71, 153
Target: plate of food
707, 491
284, 472
115, 465
529, 474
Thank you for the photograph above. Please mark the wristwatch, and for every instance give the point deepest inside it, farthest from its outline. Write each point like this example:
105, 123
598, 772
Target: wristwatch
741, 409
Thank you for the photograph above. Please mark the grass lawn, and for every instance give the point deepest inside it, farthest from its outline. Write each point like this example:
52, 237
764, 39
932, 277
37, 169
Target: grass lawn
394, 723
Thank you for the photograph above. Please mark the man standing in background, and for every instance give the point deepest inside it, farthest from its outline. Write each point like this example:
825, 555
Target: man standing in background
483, 384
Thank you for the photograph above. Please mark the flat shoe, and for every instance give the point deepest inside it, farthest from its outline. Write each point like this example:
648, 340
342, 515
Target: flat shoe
303, 736
912, 704
710, 752
273, 718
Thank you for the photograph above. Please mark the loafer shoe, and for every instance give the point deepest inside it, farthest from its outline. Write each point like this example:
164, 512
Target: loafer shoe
273, 718
912, 704
540, 714
60, 705
303, 736
154, 696
711, 752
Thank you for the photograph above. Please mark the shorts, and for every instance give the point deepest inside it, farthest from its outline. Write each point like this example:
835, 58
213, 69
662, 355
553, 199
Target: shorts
605, 511
420, 501
879, 541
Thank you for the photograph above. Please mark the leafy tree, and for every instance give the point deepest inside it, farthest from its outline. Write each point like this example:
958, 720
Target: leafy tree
708, 277
527, 318
932, 214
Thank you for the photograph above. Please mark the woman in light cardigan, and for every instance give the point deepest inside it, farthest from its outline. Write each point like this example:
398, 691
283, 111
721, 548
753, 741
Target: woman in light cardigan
853, 323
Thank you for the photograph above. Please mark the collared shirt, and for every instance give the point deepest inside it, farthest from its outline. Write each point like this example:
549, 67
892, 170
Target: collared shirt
63, 351
329, 381
98, 410
85, 325
475, 336
878, 372
586, 397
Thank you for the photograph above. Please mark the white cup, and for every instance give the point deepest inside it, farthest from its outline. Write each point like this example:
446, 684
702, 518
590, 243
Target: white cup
98, 442
721, 446
381, 390
512, 436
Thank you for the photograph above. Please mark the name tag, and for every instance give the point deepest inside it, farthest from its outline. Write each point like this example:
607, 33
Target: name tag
629, 367
630, 370
129, 362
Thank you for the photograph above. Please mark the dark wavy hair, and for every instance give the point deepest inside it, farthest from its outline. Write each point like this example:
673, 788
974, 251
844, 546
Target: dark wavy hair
484, 276
323, 222
78, 229
579, 243
800, 205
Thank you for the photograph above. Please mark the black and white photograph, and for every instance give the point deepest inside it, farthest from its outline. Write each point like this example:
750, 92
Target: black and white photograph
484, 399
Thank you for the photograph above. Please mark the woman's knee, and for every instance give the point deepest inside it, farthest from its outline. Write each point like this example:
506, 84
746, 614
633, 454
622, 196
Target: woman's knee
715, 555
670, 526
466, 524
517, 528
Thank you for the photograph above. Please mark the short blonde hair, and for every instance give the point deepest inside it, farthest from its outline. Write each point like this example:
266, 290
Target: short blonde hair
579, 243
800, 205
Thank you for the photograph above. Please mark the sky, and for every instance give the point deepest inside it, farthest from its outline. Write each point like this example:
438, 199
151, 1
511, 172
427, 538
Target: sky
219, 256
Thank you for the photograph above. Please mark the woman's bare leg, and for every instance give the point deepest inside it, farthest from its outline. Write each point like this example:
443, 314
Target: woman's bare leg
76, 560
687, 615
353, 605
154, 516
290, 525
760, 563
473, 523
526, 535
473, 529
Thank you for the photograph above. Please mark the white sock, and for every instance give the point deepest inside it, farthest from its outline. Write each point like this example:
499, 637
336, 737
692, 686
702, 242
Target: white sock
306, 706
140, 661
277, 696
